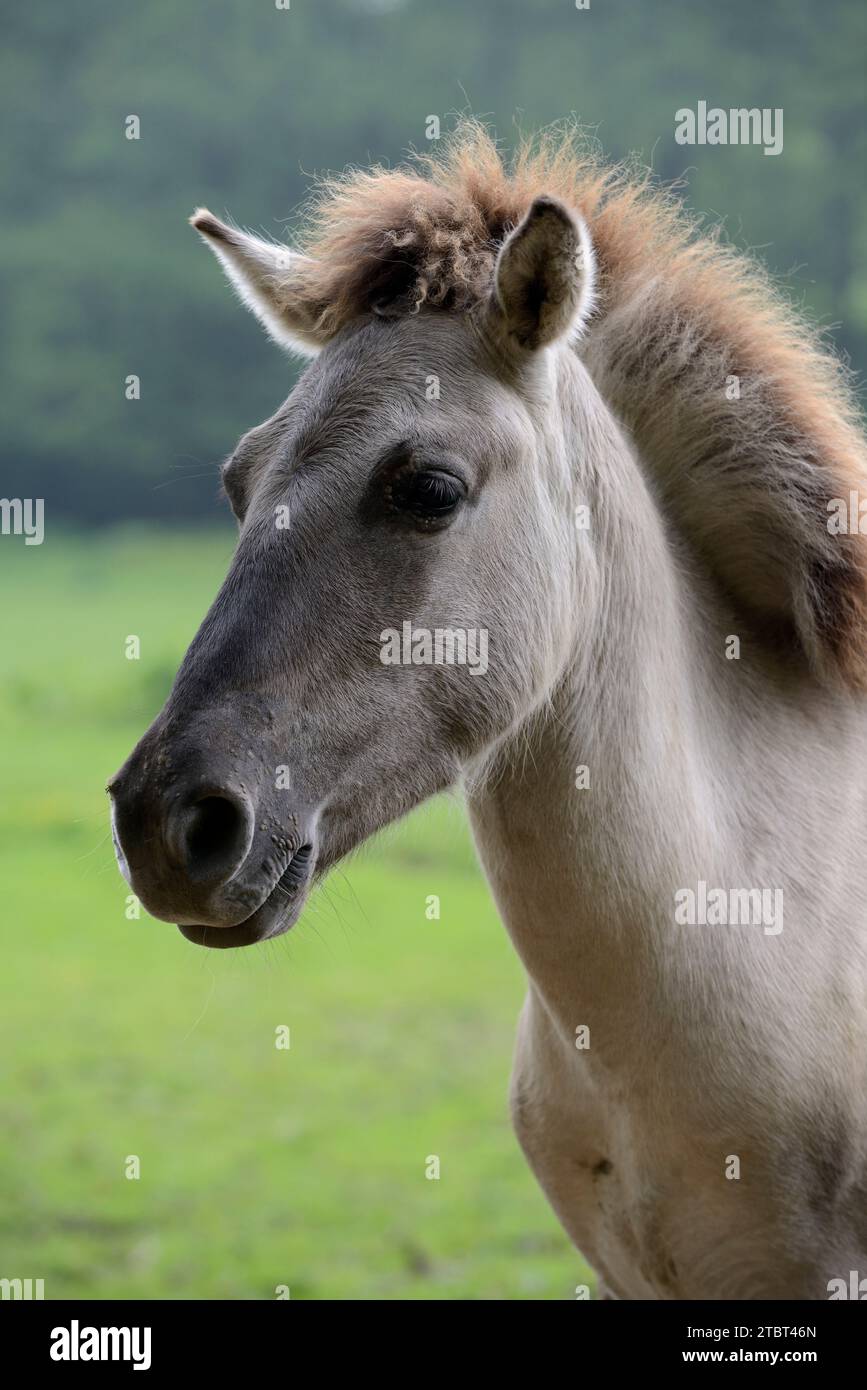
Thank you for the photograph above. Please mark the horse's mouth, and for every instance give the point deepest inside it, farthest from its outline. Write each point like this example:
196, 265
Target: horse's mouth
278, 912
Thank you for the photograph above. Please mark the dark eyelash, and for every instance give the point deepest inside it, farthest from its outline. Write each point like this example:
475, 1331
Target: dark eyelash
428, 495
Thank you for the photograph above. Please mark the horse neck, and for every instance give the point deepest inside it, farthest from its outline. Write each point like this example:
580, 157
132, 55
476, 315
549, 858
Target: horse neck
587, 874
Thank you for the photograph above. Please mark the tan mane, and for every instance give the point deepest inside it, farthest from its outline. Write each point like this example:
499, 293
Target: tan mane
679, 313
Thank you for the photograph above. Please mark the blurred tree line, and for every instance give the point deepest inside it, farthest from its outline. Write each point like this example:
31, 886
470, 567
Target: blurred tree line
239, 100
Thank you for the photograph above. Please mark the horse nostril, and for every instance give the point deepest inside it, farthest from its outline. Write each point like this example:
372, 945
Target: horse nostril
211, 835
211, 823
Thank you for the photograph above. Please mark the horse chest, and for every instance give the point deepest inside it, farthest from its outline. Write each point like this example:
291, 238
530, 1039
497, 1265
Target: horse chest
640, 1194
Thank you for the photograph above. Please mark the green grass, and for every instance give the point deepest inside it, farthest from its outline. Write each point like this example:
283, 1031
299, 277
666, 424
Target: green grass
259, 1167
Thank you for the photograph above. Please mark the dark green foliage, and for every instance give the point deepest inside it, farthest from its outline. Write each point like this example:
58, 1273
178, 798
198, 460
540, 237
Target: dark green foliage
237, 101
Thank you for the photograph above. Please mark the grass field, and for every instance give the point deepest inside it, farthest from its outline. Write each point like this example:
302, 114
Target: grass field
259, 1167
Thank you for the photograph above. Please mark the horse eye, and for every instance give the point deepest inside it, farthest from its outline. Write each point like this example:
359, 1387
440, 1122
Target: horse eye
430, 496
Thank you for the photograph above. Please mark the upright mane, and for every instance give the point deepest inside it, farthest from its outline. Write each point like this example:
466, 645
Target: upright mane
746, 419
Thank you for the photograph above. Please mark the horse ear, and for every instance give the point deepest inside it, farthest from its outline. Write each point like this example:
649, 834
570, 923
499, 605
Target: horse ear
543, 282
270, 280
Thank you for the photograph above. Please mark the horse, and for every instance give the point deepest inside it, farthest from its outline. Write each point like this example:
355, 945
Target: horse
543, 403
